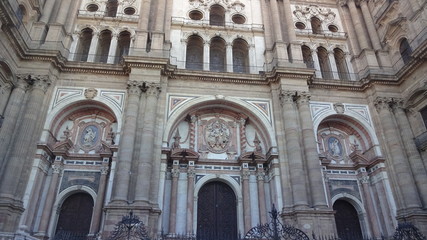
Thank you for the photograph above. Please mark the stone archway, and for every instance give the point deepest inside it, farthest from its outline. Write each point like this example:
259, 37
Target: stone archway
347, 220
216, 212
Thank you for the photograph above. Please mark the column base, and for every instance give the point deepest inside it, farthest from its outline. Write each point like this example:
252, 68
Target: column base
10, 213
311, 221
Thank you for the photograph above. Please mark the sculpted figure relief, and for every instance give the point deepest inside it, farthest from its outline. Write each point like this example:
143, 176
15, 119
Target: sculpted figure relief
217, 136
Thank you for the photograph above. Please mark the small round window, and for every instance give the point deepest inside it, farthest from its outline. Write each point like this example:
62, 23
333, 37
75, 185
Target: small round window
92, 7
196, 15
333, 28
238, 19
129, 11
300, 25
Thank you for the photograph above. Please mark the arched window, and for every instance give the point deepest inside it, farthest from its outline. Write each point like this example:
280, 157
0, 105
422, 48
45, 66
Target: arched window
84, 45
75, 216
194, 58
325, 67
240, 56
316, 25
217, 15
123, 45
342, 68
405, 50
111, 10
307, 57
217, 54
104, 46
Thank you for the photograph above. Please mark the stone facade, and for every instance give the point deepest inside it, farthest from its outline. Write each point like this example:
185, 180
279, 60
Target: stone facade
141, 104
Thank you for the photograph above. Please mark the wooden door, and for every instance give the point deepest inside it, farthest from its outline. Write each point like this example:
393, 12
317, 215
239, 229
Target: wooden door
347, 220
216, 212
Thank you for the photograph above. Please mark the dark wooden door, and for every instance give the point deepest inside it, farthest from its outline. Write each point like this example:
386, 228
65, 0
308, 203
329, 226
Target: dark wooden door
347, 220
216, 212
75, 215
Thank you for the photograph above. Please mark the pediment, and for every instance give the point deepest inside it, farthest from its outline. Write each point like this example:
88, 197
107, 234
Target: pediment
358, 159
184, 154
63, 146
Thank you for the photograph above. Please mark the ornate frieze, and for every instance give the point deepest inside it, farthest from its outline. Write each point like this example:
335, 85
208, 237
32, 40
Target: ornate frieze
305, 13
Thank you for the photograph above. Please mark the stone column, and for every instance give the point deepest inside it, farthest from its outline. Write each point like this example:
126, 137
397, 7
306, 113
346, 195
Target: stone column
99, 203
276, 21
57, 168
293, 148
399, 163
147, 145
206, 55
73, 47
350, 66
333, 64
47, 10
373, 34
373, 223
261, 194
311, 154
191, 173
295, 48
415, 160
229, 60
144, 14
253, 68
62, 15
113, 50
267, 26
127, 142
174, 197
4, 97
246, 197
93, 47
358, 25
11, 116
316, 63
351, 33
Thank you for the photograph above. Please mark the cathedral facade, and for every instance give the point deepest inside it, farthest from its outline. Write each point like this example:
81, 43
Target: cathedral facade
200, 116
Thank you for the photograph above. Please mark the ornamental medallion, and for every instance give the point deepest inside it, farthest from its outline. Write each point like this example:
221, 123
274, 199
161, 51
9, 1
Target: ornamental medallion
89, 136
217, 136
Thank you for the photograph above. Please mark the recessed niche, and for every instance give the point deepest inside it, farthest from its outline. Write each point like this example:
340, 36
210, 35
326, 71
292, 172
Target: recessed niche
129, 11
300, 25
238, 19
196, 15
92, 7
333, 28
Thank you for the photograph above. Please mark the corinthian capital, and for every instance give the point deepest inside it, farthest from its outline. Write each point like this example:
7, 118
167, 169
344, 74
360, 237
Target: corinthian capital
134, 87
382, 103
40, 82
287, 96
152, 89
303, 98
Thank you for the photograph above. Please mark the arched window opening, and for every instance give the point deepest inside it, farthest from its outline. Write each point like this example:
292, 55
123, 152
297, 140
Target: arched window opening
342, 68
104, 45
111, 10
217, 16
316, 25
217, 53
75, 216
84, 45
307, 57
123, 45
405, 50
347, 220
240, 56
325, 67
194, 58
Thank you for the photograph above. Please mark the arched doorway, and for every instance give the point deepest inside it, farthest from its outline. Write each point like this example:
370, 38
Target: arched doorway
347, 220
216, 212
75, 216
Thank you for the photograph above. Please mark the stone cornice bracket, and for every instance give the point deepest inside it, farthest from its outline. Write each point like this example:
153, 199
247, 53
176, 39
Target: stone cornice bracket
134, 87
382, 103
287, 96
152, 89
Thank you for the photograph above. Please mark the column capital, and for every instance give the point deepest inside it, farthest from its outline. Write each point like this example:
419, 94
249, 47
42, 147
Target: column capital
245, 174
41, 82
260, 175
152, 89
382, 103
303, 98
105, 170
57, 169
134, 88
398, 104
287, 96
175, 172
364, 179
191, 173
22, 81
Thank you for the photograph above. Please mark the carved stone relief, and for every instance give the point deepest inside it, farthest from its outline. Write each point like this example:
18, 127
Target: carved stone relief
217, 135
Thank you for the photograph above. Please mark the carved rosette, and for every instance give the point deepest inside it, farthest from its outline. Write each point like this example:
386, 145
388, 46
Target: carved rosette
217, 136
